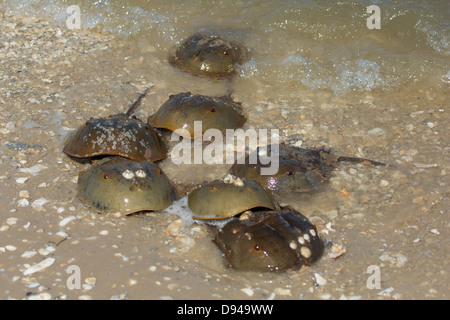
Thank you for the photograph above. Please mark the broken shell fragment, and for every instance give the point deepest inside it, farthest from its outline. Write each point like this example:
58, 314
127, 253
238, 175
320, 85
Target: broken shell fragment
126, 186
39, 266
117, 135
221, 199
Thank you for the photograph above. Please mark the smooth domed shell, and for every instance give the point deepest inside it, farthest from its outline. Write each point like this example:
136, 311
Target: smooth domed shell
126, 186
118, 135
224, 198
181, 110
270, 241
209, 56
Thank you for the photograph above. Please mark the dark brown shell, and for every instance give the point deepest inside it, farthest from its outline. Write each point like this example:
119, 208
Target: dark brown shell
181, 110
300, 170
125, 186
270, 241
225, 198
208, 56
118, 135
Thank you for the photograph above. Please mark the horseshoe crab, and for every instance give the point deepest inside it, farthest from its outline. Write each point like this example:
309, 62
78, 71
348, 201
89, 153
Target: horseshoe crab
230, 196
181, 110
300, 170
270, 241
118, 135
126, 186
208, 56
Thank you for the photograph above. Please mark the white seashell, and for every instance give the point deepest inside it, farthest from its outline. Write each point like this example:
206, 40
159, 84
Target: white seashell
21, 180
40, 296
321, 281
28, 254
34, 169
66, 220
11, 221
43, 252
23, 203
282, 292
10, 247
90, 281
174, 228
248, 291
63, 234
38, 204
24, 194
39, 267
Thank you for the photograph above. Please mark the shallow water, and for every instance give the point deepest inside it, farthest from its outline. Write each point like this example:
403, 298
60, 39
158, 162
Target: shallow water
316, 73
297, 44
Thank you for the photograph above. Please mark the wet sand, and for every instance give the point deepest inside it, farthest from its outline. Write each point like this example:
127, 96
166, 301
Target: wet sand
394, 218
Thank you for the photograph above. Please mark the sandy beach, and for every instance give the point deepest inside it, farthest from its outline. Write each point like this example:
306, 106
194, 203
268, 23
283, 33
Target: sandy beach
53, 79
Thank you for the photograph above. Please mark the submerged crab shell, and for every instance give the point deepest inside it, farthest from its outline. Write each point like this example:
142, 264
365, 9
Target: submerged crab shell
300, 170
181, 110
125, 186
220, 200
208, 56
270, 241
118, 135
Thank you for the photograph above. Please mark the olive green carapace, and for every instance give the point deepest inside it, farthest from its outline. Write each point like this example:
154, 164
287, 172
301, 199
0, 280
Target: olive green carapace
222, 199
119, 135
125, 186
270, 241
300, 170
181, 110
209, 56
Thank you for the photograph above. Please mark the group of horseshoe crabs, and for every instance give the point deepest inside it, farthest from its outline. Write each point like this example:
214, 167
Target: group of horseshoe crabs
257, 234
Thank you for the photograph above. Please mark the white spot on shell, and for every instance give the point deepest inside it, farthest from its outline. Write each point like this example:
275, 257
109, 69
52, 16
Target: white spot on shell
306, 237
239, 183
312, 232
140, 173
127, 174
229, 178
305, 252
293, 245
301, 240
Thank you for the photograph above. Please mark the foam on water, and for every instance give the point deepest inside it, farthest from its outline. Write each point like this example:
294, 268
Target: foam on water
181, 209
312, 44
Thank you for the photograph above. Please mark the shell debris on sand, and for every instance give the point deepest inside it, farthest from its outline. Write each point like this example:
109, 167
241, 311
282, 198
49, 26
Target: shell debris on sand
66, 220
174, 228
38, 204
39, 266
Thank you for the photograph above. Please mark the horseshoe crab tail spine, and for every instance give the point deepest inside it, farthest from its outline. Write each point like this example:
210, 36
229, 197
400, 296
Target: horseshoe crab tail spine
360, 160
137, 103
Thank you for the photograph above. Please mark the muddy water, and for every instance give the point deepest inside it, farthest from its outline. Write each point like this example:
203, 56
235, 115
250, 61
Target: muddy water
318, 88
